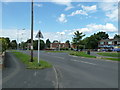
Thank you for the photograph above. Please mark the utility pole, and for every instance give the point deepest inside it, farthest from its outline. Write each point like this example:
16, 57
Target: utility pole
32, 31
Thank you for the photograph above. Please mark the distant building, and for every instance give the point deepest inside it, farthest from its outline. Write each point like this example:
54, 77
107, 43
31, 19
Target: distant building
109, 44
58, 45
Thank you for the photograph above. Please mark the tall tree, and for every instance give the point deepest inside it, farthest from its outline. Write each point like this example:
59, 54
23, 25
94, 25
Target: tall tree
92, 41
13, 44
48, 43
77, 39
35, 44
55, 41
117, 36
68, 42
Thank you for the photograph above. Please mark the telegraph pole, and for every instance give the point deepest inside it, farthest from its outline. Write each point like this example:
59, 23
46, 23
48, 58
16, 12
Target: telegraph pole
32, 31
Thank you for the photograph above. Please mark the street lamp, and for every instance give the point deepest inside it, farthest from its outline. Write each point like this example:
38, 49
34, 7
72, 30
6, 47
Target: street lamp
17, 39
22, 38
32, 31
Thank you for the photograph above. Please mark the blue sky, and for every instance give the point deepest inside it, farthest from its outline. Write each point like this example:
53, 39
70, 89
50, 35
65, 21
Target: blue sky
59, 20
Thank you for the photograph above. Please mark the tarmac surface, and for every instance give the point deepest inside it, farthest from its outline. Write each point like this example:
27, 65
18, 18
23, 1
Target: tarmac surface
67, 72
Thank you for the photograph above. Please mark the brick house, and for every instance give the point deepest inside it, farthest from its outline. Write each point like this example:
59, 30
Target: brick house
109, 44
58, 45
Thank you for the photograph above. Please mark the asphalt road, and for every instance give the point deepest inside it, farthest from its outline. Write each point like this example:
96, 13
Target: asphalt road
68, 72
78, 72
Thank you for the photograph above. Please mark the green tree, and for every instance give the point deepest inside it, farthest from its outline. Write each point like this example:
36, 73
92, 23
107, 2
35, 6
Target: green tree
92, 41
68, 42
13, 44
117, 36
48, 43
77, 39
4, 44
55, 41
8, 43
35, 44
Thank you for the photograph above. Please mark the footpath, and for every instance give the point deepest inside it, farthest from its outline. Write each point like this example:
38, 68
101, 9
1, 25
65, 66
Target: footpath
15, 75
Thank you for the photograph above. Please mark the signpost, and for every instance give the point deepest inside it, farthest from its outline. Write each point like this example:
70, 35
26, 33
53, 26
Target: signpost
39, 35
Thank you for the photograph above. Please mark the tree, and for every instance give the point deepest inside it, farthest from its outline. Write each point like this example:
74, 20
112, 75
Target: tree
8, 43
55, 41
77, 39
4, 44
92, 41
28, 41
13, 44
48, 43
117, 36
68, 42
35, 44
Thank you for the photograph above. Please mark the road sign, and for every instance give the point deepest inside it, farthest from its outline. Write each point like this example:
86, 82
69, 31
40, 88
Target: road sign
39, 35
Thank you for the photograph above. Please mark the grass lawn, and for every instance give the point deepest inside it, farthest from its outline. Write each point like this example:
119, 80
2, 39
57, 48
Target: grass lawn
83, 54
31, 65
111, 54
114, 59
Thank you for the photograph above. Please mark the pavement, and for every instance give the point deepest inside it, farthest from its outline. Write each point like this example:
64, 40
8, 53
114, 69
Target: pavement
15, 75
67, 72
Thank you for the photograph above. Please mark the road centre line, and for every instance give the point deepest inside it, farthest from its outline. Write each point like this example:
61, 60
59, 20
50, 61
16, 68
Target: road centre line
84, 62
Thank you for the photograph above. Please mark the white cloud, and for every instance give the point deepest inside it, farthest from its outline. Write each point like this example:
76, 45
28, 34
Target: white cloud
21, 35
61, 36
38, 5
85, 10
62, 18
67, 3
89, 8
78, 12
111, 10
61, 33
93, 28
106, 28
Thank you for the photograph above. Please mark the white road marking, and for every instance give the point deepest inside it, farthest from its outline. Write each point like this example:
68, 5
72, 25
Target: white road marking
56, 76
84, 62
88, 62
35, 73
59, 57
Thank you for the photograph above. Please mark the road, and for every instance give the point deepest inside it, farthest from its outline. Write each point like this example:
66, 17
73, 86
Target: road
78, 72
69, 72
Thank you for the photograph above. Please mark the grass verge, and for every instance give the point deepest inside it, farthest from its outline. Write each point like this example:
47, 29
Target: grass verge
111, 54
83, 54
114, 59
31, 65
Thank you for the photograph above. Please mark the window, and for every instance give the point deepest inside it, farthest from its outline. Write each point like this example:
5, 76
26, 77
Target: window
110, 42
101, 42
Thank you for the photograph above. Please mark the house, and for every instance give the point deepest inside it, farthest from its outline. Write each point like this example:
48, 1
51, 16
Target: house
109, 44
58, 45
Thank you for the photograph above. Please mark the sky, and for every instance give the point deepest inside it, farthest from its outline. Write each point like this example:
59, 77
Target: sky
58, 20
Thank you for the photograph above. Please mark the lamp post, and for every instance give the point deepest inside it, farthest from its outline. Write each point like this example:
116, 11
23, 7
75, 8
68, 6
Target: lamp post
32, 31
17, 39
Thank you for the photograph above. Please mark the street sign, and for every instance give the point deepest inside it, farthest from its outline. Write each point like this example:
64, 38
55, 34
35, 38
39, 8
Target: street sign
39, 35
